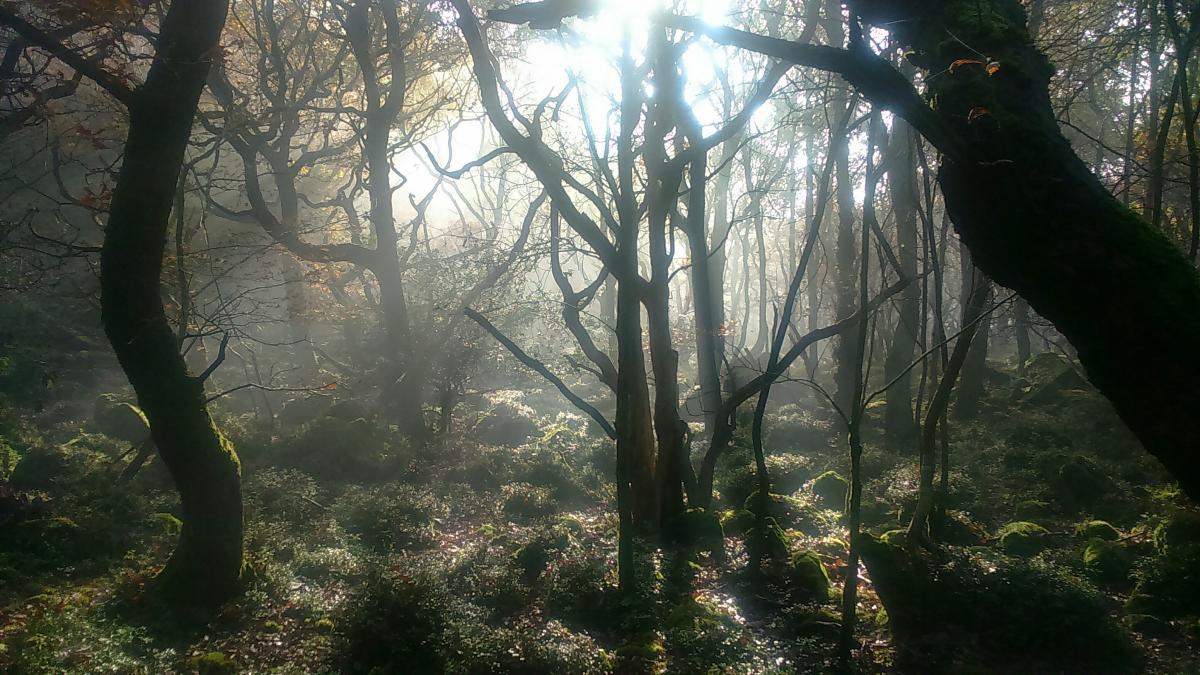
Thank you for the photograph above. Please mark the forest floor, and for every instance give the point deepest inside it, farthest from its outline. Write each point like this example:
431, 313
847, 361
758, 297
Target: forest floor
494, 552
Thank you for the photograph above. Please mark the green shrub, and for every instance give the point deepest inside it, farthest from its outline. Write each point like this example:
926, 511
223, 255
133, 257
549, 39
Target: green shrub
336, 449
522, 501
281, 494
388, 517
395, 624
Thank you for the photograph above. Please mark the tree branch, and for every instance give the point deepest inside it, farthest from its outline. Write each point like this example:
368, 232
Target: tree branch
542, 370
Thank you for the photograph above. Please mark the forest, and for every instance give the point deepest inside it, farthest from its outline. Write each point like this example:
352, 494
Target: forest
599, 336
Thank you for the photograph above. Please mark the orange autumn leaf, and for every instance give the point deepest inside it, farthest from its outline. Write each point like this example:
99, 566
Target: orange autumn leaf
962, 62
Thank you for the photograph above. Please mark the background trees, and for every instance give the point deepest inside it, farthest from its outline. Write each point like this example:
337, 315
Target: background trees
574, 322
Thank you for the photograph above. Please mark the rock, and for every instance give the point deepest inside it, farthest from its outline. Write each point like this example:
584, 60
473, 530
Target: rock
118, 419
1180, 529
959, 530
1031, 510
831, 489
701, 529
1023, 538
775, 541
1097, 529
966, 610
808, 578
1083, 483
736, 521
1107, 562
1051, 375
788, 472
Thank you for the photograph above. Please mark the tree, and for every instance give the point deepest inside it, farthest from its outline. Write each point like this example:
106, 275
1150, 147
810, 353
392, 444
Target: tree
1082, 260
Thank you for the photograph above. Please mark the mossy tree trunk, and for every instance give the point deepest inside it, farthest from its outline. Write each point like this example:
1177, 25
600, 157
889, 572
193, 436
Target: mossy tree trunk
1032, 213
1038, 221
207, 562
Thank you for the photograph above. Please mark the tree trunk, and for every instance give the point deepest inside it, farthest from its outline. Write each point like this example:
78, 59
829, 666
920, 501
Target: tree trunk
970, 386
1039, 222
207, 562
899, 422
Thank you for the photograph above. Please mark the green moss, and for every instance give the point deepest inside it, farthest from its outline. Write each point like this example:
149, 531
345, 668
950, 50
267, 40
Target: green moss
1023, 538
1107, 562
831, 489
212, 663
736, 521
701, 529
1097, 529
1180, 529
774, 542
808, 578
1032, 509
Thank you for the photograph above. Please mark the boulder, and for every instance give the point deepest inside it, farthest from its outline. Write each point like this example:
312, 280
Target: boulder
1023, 538
831, 489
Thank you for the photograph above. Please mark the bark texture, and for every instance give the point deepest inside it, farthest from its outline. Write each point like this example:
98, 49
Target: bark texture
207, 562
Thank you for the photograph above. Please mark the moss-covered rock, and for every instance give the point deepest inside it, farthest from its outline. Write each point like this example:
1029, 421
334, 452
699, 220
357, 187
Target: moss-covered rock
700, 529
1180, 529
965, 610
1082, 482
789, 512
959, 529
212, 663
774, 540
808, 579
830, 489
1107, 562
1023, 538
1097, 529
1032, 510
736, 521
788, 472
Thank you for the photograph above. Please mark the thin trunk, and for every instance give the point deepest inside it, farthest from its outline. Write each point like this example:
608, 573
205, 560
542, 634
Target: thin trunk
918, 527
899, 422
970, 387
